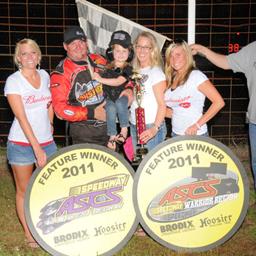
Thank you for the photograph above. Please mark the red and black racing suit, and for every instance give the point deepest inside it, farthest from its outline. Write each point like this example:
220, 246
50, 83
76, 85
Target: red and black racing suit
75, 96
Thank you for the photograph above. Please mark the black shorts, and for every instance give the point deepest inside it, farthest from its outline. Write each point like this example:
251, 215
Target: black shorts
91, 131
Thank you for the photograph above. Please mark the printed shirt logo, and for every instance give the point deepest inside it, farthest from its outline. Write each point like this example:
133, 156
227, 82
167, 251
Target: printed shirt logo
144, 78
185, 104
90, 93
182, 102
79, 33
84, 91
69, 112
32, 99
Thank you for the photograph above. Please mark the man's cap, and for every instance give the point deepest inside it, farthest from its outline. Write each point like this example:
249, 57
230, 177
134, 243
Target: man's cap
122, 38
73, 33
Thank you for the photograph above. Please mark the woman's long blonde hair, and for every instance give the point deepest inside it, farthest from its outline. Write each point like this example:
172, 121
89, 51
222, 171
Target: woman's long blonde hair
30, 42
170, 72
155, 56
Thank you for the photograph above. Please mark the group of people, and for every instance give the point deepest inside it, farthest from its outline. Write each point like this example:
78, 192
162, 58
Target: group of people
92, 92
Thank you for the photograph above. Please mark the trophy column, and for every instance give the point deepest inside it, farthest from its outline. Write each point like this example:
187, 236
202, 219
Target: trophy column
140, 121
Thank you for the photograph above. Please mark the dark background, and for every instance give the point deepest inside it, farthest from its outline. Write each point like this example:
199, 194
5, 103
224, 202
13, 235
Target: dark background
224, 26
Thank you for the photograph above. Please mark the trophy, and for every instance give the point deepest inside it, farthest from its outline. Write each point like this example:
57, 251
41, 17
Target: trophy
140, 117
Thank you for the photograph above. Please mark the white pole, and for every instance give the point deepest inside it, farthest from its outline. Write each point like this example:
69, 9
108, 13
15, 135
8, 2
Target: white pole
191, 21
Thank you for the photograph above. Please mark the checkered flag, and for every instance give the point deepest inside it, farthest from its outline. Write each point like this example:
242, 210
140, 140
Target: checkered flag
99, 23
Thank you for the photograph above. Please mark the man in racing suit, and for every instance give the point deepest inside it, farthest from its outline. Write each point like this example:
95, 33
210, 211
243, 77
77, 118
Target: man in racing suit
77, 98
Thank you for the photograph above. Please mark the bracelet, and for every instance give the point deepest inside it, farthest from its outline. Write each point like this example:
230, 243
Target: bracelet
129, 87
51, 124
156, 127
198, 126
202, 55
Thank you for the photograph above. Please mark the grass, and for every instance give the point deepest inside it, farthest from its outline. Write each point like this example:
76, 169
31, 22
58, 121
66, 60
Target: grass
12, 242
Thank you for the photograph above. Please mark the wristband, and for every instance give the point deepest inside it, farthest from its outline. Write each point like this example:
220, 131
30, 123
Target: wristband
156, 127
198, 126
202, 55
131, 88
129, 85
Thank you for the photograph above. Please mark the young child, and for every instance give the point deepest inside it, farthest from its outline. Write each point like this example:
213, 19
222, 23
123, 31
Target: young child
114, 79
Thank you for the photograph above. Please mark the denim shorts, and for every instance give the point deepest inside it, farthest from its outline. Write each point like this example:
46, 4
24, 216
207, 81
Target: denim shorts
24, 155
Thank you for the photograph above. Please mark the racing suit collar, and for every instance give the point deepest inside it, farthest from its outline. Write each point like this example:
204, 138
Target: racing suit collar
81, 62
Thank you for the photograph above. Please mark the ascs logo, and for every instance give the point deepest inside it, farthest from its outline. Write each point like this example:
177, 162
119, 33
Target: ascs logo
191, 193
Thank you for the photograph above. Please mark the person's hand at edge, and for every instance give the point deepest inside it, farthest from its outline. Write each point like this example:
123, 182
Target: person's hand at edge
100, 113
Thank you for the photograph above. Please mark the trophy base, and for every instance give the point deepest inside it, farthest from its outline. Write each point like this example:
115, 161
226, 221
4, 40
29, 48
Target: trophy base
140, 154
141, 151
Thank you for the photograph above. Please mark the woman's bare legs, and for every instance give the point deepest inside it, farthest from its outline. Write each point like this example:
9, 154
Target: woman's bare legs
22, 176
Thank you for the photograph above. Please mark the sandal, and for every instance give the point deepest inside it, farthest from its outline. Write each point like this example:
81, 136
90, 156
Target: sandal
112, 144
140, 232
33, 244
120, 138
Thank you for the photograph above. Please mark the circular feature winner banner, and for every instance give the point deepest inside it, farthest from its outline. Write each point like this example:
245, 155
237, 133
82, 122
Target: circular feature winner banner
81, 203
191, 193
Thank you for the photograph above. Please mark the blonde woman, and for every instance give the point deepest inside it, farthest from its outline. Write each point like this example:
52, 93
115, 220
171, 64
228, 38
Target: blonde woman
148, 63
30, 140
187, 90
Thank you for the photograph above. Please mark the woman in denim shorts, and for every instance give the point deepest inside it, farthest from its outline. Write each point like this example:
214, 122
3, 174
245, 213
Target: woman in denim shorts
30, 140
